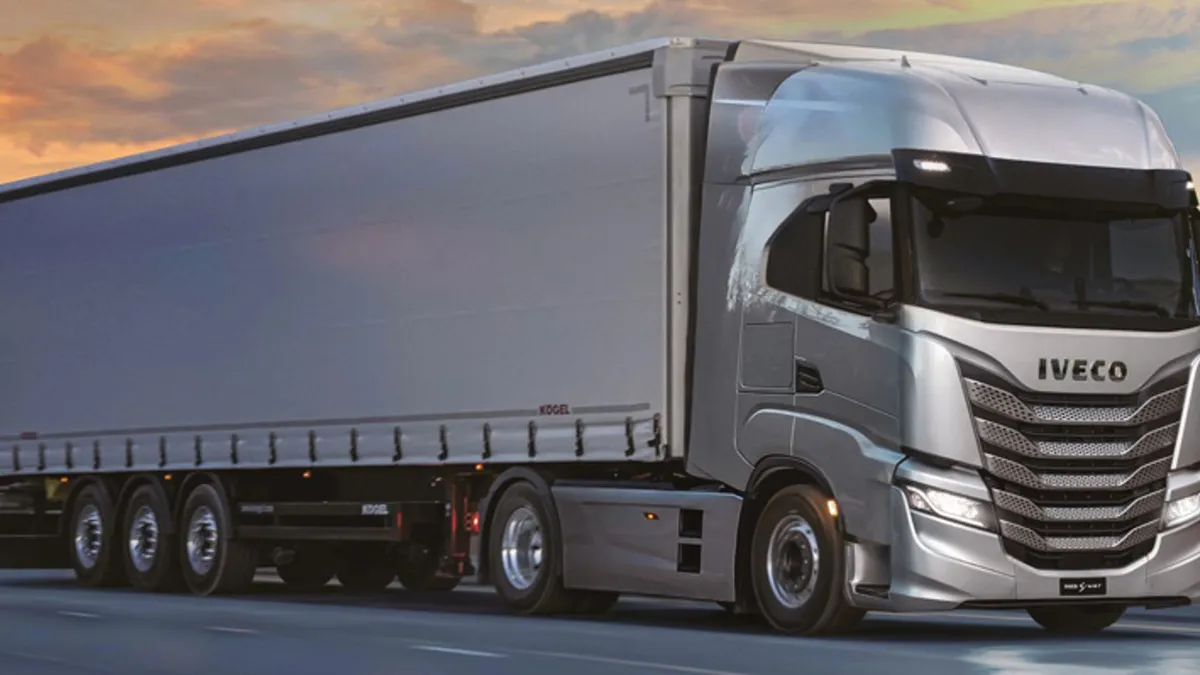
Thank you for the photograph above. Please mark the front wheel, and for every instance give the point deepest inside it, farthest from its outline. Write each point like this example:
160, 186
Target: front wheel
797, 565
1076, 620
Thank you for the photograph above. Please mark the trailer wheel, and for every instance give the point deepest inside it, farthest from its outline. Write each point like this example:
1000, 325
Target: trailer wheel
213, 561
365, 568
149, 554
310, 569
1076, 620
91, 544
797, 565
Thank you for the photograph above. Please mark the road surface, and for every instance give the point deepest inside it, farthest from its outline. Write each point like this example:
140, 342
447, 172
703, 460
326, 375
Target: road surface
49, 627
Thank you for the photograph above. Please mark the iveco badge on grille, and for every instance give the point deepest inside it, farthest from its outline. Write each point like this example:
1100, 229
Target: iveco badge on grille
1082, 370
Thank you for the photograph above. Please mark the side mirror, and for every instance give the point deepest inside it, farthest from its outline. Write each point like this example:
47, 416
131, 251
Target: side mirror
847, 245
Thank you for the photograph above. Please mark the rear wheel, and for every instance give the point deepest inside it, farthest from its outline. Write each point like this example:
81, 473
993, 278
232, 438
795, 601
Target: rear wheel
797, 565
91, 546
1076, 620
149, 554
523, 555
213, 561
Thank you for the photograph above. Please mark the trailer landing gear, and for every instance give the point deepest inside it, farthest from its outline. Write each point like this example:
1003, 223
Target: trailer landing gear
307, 569
365, 567
419, 569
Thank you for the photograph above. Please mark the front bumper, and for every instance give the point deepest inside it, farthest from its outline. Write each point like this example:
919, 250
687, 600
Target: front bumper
939, 565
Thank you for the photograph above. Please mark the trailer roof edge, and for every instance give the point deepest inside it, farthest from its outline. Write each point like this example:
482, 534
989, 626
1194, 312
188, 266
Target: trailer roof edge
540, 76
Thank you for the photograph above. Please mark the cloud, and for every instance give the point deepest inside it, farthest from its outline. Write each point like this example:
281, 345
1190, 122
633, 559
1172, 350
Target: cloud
73, 89
1138, 46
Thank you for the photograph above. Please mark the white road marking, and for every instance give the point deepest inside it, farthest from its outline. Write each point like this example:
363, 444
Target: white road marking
229, 629
654, 665
79, 615
460, 652
40, 658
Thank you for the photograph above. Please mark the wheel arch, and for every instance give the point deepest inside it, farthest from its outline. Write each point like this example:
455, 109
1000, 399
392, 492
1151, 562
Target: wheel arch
770, 475
160, 487
107, 486
195, 480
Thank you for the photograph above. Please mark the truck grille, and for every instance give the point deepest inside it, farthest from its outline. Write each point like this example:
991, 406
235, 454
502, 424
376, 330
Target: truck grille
1079, 482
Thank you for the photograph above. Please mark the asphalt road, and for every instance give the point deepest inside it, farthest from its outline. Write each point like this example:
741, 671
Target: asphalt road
49, 627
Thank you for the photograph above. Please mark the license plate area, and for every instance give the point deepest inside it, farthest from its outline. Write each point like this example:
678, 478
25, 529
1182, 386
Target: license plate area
1083, 588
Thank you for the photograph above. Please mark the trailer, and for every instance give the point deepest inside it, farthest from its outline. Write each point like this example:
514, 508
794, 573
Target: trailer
805, 330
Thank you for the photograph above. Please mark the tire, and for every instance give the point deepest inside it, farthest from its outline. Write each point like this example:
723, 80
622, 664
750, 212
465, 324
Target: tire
527, 578
1075, 619
310, 569
148, 547
91, 546
362, 569
213, 562
790, 530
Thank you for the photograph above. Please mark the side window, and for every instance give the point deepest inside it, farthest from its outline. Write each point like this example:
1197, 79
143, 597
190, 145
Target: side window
795, 256
881, 262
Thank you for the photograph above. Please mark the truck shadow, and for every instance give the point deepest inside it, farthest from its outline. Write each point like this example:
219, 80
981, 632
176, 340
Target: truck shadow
651, 613
698, 616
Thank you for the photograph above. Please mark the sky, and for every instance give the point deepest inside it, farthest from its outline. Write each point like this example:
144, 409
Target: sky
87, 80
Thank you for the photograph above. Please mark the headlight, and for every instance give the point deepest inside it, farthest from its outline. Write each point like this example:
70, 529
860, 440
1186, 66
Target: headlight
951, 507
1181, 511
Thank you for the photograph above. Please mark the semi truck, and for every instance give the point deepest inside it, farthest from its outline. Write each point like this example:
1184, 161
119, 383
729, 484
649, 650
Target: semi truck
805, 330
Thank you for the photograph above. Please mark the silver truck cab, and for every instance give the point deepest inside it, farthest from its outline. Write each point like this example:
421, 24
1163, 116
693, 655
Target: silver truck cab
962, 297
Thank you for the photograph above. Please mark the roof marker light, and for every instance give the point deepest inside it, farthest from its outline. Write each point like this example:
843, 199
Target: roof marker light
931, 165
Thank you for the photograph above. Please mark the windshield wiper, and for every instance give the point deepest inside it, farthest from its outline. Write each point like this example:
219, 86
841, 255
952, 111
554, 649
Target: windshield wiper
1131, 305
1010, 298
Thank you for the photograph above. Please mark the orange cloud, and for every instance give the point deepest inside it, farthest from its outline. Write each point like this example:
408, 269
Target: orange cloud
21, 160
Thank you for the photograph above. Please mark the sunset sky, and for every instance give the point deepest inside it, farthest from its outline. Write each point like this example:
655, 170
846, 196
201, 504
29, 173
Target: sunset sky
86, 80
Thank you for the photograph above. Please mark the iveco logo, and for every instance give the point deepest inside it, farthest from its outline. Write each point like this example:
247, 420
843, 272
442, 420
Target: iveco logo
1082, 370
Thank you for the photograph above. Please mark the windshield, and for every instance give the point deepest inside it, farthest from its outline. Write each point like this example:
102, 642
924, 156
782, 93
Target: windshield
1082, 269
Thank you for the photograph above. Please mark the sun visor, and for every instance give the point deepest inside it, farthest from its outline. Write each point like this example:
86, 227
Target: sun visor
979, 175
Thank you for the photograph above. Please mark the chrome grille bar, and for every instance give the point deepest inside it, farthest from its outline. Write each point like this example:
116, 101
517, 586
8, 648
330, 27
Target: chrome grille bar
1007, 404
1008, 470
1010, 439
1030, 539
1027, 508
